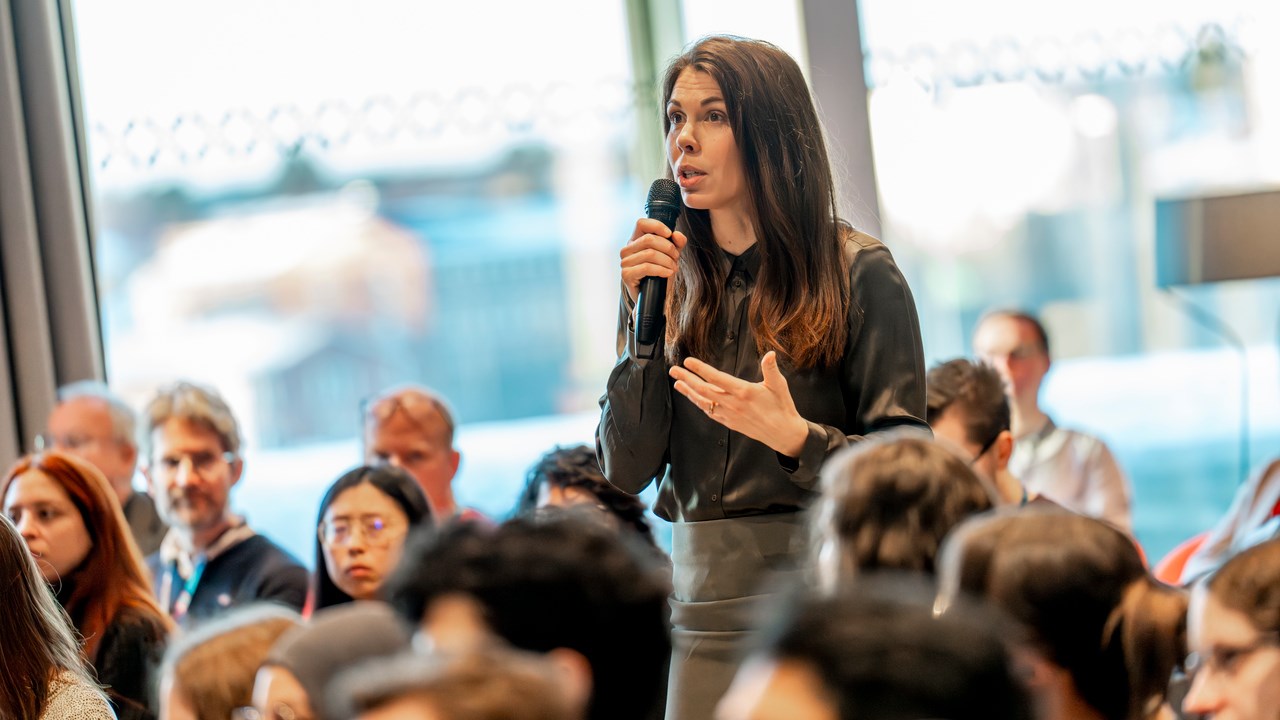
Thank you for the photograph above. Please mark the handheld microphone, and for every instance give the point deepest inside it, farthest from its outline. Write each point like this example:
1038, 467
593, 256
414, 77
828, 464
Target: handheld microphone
663, 205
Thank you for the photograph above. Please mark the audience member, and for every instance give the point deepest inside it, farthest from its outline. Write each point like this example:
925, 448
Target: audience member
71, 520
571, 477
1233, 629
293, 681
887, 503
411, 427
211, 559
1108, 636
484, 684
208, 674
1068, 467
44, 674
593, 599
967, 407
363, 522
880, 653
1250, 520
92, 422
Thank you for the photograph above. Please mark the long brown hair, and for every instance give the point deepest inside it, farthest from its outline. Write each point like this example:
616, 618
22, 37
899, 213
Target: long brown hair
1080, 587
112, 578
801, 300
37, 641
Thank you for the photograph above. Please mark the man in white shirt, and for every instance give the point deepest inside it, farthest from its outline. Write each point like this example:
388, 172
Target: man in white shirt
1069, 467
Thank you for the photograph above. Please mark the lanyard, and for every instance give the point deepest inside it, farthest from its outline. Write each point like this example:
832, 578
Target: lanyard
183, 603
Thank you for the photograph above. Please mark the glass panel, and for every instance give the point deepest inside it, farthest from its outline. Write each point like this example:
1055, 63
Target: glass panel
302, 203
1020, 154
777, 21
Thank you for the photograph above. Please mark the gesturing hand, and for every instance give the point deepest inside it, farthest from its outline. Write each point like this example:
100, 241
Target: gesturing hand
762, 411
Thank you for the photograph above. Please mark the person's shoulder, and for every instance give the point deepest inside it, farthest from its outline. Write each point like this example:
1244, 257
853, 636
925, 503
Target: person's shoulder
71, 697
262, 550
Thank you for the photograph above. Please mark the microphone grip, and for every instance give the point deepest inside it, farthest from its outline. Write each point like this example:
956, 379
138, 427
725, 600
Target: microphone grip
650, 316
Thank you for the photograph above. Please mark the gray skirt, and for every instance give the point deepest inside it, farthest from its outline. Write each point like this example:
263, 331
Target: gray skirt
723, 570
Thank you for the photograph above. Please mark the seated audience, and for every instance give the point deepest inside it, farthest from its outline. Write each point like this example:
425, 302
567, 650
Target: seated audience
967, 408
294, 679
44, 674
886, 504
71, 521
208, 674
485, 684
1107, 635
364, 519
594, 600
211, 560
410, 427
1251, 519
1068, 467
878, 651
571, 477
1233, 629
91, 422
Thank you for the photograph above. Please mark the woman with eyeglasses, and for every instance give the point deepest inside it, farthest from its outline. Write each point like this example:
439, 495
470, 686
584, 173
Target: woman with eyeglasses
1105, 636
1233, 629
363, 522
73, 525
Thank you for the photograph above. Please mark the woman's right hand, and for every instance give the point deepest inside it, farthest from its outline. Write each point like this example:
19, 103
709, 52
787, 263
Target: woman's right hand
654, 251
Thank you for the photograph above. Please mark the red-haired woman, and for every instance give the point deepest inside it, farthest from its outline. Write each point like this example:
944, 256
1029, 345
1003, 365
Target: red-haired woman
74, 528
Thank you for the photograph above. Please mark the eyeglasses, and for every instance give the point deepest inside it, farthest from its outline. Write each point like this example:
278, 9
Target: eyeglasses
279, 712
49, 441
419, 408
375, 530
202, 463
1225, 660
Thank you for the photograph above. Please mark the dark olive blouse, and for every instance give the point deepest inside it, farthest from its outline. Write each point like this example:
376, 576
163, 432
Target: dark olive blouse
648, 431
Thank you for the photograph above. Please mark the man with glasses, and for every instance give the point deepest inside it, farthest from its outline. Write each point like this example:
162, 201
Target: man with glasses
1069, 467
91, 422
411, 428
967, 408
210, 560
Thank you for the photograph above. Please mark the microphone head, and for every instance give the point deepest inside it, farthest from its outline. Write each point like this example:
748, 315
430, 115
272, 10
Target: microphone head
663, 203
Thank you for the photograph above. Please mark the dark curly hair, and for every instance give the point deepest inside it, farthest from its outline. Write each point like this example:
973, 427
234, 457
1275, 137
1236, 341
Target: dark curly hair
577, 467
556, 581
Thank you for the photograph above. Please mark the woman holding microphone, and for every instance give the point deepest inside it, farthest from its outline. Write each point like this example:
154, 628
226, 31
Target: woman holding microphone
788, 336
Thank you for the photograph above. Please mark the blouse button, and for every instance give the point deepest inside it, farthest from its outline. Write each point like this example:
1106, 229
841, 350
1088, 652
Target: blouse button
715, 498
737, 283
732, 336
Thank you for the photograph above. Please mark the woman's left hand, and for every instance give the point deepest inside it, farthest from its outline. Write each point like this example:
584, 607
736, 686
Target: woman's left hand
762, 411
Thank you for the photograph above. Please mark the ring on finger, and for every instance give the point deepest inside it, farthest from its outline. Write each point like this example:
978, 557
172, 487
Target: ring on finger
712, 410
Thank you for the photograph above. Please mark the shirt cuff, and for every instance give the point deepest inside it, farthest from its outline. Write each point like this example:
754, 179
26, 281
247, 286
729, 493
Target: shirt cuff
804, 469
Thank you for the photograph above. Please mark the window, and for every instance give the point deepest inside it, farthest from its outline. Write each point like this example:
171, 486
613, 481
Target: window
302, 203
1020, 157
